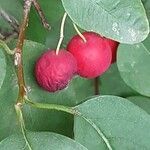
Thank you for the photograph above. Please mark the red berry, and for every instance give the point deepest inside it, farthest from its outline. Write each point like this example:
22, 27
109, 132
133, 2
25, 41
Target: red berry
93, 56
53, 72
113, 45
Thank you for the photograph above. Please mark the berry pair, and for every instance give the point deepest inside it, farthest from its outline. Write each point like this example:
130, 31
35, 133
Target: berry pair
89, 59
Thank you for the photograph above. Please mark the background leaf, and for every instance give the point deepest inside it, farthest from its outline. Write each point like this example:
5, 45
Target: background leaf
40, 141
133, 64
146, 43
8, 96
111, 83
3, 67
108, 18
146, 4
121, 122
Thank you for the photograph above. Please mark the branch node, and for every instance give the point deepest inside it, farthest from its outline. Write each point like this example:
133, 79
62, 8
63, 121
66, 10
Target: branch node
17, 59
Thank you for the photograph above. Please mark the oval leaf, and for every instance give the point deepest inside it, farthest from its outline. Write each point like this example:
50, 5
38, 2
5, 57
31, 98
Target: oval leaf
123, 21
40, 141
3, 67
8, 96
112, 123
133, 64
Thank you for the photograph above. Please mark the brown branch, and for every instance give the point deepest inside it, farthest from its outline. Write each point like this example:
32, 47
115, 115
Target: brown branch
41, 14
96, 86
18, 51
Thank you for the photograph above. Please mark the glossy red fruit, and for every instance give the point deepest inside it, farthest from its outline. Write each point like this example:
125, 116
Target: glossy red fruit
114, 46
53, 72
93, 56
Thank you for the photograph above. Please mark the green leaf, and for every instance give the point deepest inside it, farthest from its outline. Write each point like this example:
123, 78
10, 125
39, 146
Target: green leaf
40, 141
133, 64
77, 90
8, 96
123, 21
4, 25
142, 102
2, 66
109, 79
112, 123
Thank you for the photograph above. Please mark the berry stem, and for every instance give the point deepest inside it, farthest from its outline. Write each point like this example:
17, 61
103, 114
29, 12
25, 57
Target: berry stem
6, 48
79, 33
61, 33
96, 86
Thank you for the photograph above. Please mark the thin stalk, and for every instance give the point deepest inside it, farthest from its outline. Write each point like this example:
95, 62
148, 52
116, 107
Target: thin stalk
79, 33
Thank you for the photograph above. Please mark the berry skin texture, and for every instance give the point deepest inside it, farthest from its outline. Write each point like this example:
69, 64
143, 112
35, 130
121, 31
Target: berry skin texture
93, 56
113, 45
53, 72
